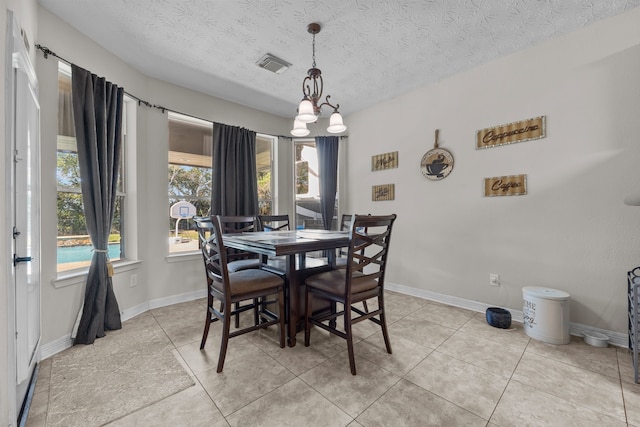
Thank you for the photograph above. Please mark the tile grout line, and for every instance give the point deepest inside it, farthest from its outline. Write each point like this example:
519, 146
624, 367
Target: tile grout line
195, 376
509, 381
624, 400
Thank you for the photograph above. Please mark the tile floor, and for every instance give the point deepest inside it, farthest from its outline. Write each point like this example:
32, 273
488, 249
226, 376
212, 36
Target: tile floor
448, 368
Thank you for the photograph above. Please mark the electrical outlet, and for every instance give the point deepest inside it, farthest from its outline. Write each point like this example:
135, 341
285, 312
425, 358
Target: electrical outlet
133, 280
494, 279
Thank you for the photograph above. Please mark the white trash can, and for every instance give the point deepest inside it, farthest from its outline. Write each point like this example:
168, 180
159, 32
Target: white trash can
545, 314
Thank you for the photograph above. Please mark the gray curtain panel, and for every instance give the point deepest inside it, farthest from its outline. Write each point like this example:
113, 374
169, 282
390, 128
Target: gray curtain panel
97, 111
235, 183
327, 148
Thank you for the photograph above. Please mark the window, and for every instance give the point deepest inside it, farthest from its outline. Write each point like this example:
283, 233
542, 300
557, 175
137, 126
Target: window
307, 186
190, 146
190, 175
74, 249
264, 155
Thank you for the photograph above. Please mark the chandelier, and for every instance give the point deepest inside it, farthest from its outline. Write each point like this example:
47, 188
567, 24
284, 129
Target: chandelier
309, 108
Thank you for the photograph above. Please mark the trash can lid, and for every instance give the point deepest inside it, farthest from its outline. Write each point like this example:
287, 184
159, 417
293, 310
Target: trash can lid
547, 293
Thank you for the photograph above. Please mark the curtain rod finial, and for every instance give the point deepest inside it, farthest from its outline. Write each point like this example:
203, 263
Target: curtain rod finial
45, 51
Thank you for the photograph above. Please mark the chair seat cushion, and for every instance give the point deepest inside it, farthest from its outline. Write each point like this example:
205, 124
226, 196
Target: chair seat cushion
334, 282
243, 264
249, 281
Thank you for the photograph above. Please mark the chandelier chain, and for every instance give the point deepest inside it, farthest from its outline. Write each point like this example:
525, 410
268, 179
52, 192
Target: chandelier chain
314, 50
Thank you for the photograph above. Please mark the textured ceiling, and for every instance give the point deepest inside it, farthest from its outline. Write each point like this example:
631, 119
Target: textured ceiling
368, 50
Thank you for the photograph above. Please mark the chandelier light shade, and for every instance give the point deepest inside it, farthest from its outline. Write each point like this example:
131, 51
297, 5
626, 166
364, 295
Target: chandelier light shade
311, 105
335, 124
306, 112
299, 128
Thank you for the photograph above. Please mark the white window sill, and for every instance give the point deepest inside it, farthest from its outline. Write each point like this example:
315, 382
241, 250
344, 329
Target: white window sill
77, 277
183, 256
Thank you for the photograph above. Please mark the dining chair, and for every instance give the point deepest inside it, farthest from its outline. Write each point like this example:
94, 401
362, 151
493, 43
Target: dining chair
275, 264
238, 260
361, 280
274, 222
253, 285
341, 256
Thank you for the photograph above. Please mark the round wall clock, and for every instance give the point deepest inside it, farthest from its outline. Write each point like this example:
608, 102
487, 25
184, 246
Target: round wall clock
437, 163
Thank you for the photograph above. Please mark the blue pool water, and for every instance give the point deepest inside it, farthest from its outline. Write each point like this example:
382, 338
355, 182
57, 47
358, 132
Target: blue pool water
84, 253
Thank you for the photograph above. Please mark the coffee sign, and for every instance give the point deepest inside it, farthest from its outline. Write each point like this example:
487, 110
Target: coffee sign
524, 130
513, 185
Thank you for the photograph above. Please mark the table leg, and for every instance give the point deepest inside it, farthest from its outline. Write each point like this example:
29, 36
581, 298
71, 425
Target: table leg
293, 298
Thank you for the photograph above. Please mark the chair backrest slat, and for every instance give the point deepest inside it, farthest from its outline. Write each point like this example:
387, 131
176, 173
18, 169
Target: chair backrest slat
238, 224
345, 225
214, 253
368, 248
273, 222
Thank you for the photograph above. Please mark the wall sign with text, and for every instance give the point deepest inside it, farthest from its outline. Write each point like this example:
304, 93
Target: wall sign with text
524, 130
383, 192
513, 185
384, 161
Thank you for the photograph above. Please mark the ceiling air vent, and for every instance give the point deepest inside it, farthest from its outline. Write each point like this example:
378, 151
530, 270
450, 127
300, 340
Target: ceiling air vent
273, 64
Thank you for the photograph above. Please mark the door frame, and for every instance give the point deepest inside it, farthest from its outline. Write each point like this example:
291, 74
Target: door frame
16, 57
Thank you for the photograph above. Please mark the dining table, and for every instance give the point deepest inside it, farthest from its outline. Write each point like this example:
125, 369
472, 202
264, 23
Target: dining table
294, 246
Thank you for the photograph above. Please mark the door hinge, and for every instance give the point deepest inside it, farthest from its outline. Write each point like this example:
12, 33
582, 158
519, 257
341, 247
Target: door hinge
16, 233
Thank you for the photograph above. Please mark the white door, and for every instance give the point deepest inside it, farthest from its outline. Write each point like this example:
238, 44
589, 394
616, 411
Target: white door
24, 213
26, 232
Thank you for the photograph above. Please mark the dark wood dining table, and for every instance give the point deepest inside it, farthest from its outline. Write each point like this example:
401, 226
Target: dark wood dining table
293, 245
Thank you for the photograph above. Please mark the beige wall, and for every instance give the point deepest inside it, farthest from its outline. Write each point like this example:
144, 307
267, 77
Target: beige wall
572, 231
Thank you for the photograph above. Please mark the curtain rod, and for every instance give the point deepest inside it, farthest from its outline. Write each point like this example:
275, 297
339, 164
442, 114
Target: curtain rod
46, 52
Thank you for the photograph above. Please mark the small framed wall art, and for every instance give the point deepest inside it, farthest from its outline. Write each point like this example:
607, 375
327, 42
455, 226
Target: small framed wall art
383, 192
512, 185
384, 161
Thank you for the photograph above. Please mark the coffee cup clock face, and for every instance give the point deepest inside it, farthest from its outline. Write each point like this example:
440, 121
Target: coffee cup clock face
437, 164
436, 168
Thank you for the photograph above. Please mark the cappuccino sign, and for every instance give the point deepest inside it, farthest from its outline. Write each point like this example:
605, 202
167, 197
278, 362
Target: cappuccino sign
514, 185
525, 130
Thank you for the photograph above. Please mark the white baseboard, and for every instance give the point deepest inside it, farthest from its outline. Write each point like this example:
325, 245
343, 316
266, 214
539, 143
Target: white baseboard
56, 346
161, 302
615, 338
